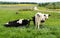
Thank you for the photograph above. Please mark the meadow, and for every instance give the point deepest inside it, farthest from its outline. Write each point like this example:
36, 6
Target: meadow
51, 27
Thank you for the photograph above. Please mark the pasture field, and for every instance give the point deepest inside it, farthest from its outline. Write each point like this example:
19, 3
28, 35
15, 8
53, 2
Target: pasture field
51, 27
15, 6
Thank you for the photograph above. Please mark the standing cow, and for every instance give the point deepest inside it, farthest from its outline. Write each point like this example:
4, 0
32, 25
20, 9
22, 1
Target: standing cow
39, 19
19, 22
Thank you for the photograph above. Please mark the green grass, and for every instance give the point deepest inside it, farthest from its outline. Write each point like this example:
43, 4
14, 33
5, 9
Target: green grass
51, 27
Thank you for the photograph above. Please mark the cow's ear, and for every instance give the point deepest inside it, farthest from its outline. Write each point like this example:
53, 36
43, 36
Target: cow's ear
49, 15
44, 15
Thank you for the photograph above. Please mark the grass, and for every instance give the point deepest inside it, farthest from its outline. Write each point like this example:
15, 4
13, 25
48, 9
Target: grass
15, 6
51, 27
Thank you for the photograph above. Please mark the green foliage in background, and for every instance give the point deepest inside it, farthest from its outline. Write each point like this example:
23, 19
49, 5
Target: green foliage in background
51, 5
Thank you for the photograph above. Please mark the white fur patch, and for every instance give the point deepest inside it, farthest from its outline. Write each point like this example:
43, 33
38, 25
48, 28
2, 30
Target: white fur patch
6, 23
20, 21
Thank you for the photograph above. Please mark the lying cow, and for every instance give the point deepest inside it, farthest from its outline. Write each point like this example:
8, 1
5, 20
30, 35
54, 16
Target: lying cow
39, 19
16, 23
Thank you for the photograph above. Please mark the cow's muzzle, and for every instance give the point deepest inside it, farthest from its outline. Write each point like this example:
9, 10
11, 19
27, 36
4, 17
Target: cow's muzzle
42, 21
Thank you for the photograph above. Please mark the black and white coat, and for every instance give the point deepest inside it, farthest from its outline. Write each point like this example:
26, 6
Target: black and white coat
16, 23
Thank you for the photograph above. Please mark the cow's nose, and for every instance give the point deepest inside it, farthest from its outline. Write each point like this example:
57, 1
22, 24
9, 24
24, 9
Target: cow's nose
42, 21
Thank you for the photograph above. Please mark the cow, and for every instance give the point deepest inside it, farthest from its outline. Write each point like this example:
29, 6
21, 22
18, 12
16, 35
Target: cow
19, 22
39, 19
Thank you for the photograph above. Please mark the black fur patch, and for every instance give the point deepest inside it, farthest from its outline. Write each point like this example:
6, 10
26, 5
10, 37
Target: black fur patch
15, 24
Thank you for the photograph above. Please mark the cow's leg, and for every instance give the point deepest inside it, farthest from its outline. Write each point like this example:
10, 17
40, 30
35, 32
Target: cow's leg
38, 24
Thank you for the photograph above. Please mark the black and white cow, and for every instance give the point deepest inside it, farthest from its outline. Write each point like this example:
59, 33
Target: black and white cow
39, 19
16, 23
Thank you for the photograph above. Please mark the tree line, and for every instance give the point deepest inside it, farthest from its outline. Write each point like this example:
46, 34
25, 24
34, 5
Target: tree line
50, 5
17, 2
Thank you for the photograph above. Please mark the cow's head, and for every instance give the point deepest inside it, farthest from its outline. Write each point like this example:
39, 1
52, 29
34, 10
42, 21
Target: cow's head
42, 17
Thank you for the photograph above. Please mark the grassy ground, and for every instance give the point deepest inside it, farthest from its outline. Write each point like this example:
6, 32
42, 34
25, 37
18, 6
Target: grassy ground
50, 30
